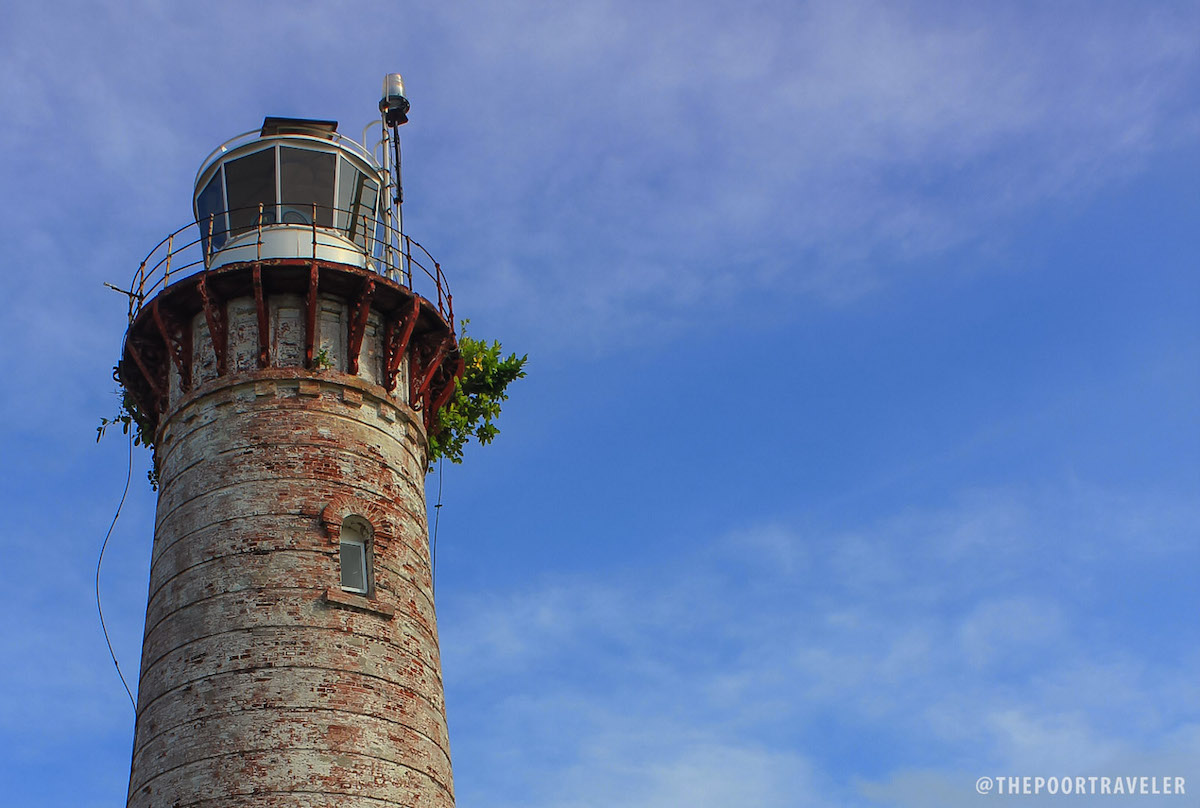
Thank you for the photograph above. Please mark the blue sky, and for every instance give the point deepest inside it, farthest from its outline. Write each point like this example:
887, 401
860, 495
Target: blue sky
858, 456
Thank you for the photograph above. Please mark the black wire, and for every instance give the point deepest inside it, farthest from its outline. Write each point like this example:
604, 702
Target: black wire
100, 560
398, 199
437, 517
398, 204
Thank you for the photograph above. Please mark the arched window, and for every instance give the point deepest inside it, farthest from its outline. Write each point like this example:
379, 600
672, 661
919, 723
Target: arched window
356, 555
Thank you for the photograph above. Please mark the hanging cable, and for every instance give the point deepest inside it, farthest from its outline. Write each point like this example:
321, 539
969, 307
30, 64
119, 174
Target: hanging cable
437, 516
398, 204
100, 560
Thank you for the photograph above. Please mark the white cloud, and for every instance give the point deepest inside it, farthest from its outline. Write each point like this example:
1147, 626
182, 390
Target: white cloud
937, 674
782, 148
594, 170
1007, 629
657, 772
927, 789
601, 171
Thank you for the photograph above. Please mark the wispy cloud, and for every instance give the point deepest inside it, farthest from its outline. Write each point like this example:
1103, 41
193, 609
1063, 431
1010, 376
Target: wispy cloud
602, 171
784, 149
601, 168
940, 644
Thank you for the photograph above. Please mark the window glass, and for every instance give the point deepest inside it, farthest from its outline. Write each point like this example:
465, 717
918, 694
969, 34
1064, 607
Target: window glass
354, 577
306, 177
366, 207
210, 213
355, 555
380, 235
349, 180
357, 197
250, 181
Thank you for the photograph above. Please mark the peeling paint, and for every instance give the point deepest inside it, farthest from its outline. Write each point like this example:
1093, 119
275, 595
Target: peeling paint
257, 688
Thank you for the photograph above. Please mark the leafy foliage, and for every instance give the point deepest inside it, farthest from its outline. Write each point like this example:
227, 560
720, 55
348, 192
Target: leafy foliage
475, 405
130, 417
322, 361
471, 412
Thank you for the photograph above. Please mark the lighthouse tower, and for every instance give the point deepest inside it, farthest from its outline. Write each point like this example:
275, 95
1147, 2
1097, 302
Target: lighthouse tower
287, 353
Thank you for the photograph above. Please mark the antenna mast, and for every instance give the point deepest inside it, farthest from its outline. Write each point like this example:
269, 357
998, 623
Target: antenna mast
394, 108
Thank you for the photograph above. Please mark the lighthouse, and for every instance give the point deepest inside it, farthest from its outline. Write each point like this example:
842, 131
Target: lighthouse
286, 356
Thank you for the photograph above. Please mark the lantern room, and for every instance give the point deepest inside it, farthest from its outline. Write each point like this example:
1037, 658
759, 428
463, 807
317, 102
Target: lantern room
295, 188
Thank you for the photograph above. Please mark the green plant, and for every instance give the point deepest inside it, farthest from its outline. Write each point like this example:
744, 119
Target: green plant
130, 417
471, 412
322, 361
475, 405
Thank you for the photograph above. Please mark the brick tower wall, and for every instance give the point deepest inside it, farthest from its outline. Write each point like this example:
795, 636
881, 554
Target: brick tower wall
262, 682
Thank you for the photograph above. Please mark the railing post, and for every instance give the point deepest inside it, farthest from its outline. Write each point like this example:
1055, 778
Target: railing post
388, 253
314, 231
408, 260
208, 247
259, 226
141, 283
437, 281
367, 236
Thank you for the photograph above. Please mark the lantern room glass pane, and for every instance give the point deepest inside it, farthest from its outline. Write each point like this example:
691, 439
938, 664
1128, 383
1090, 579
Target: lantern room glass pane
306, 179
349, 180
357, 197
210, 214
366, 207
250, 182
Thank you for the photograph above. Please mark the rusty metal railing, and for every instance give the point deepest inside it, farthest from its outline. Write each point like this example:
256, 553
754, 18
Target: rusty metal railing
382, 249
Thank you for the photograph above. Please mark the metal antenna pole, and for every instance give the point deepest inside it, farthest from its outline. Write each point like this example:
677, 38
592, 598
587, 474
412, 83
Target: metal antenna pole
389, 231
394, 107
398, 201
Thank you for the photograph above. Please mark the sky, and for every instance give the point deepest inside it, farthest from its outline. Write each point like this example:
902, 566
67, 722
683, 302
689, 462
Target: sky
858, 456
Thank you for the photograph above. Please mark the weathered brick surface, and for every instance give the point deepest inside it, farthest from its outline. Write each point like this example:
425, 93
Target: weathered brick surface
344, 776
239, 563
256, 689
290, 728
277, 688
262, 607
289, 799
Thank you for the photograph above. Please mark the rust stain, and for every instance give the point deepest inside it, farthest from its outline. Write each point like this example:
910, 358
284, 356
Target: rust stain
254, 682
